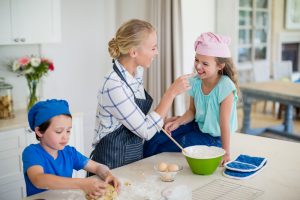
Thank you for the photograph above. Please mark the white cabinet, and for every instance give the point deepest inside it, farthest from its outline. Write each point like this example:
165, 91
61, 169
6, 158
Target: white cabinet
12, 185
247, 22
29, 21
12, 144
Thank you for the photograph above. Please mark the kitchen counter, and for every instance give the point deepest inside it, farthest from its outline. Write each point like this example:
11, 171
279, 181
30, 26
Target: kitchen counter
19, 121
278, 180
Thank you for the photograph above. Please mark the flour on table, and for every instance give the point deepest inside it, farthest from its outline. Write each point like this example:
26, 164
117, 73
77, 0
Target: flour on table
141, 190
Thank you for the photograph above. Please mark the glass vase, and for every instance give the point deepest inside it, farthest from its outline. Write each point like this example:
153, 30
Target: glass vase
32, 99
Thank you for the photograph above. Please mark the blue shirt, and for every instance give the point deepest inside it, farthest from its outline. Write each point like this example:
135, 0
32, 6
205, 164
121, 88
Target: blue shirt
67, 160
208, 106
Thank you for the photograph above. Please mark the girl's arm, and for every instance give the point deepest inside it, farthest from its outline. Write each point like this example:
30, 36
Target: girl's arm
103, 172
225, 113
39, 179
187, 117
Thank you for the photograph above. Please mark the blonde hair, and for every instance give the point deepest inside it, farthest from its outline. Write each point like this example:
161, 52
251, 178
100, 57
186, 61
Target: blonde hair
229, 70
130, 34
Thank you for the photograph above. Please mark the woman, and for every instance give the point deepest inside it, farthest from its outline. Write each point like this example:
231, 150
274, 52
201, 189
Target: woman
123, 120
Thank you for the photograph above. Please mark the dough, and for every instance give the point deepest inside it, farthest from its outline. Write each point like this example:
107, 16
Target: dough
110, 194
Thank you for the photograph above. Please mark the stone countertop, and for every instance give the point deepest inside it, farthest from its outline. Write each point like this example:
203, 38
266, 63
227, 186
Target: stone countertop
19, 121
278, 180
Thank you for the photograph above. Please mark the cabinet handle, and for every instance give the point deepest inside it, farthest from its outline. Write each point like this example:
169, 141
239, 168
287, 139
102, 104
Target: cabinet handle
23, 39
16, 39
28, 130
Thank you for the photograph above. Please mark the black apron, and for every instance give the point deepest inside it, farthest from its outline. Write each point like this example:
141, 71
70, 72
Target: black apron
121, 146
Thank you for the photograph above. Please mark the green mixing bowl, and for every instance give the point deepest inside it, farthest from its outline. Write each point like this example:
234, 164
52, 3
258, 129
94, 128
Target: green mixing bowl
202, 159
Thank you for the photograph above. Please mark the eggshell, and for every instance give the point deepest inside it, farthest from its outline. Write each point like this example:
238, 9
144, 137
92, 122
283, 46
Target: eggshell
173, 168
162, 166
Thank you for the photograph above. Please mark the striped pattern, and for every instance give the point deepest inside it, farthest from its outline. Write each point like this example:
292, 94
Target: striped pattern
117, 106
122, 146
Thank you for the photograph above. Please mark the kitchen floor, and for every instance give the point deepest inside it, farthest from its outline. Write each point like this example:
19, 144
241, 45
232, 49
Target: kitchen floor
261, 119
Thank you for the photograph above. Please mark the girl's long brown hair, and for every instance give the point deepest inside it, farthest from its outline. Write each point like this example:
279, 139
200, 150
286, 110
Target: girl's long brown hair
229, 70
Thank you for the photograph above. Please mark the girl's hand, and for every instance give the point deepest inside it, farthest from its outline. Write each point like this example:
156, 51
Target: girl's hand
225, 159
171, 126
171, 119
93, 187
110, 179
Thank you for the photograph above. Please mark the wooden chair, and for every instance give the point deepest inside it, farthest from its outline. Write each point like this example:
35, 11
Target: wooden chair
261, 73
283, 71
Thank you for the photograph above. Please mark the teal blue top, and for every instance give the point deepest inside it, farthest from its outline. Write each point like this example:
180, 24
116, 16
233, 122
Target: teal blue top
208, 106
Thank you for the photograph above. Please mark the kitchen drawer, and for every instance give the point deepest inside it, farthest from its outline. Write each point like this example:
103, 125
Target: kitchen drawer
12, 139
13, 191
11, 164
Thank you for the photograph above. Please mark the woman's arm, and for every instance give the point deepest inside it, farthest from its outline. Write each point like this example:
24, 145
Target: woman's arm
118, 101
41, 180
179, 86
225, 113
187, 117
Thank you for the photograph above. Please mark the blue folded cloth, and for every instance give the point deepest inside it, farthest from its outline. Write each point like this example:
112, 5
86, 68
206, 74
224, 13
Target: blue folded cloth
244, 167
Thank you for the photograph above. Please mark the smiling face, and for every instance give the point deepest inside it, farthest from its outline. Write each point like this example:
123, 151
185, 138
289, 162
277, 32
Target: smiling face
206, 66
57, 134
147, 50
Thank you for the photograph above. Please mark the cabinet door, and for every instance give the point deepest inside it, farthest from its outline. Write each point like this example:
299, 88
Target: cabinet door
77, 140
5, 28
33, 21
13, 191
11, 169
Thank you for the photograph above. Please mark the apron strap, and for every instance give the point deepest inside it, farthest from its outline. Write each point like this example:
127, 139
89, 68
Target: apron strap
122, 78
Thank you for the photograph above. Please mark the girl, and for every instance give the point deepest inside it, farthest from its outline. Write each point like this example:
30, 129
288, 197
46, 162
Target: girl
124, 119
211, 116
50, 163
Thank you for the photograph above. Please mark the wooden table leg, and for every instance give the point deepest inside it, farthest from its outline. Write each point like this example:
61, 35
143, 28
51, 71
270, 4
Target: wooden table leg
246, 118
288, 119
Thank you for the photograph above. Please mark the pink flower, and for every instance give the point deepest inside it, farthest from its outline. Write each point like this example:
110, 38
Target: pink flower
24, 61
51, 66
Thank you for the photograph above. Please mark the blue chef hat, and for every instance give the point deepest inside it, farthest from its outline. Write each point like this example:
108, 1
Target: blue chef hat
45, 110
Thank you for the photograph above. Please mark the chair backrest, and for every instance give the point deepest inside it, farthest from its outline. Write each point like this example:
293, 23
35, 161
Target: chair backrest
261, 73
283, 70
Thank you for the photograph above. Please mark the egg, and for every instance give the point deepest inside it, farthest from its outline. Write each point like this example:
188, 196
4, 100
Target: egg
162, 166
173, 168
167, 177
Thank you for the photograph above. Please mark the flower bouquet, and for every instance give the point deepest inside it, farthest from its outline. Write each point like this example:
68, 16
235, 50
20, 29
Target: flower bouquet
33, 68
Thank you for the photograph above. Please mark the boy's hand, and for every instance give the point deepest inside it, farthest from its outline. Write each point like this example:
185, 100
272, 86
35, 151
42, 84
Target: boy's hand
93, 187
110, 179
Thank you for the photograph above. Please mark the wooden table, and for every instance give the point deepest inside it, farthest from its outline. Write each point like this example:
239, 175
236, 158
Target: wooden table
278, 180
287, 93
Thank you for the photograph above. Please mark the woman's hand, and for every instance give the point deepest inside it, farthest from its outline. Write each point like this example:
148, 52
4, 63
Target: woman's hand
181, 84
110, 179
225, 159
93, 187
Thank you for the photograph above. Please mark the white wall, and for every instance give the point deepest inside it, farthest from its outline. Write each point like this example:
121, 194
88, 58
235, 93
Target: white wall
81, 58
198, 16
